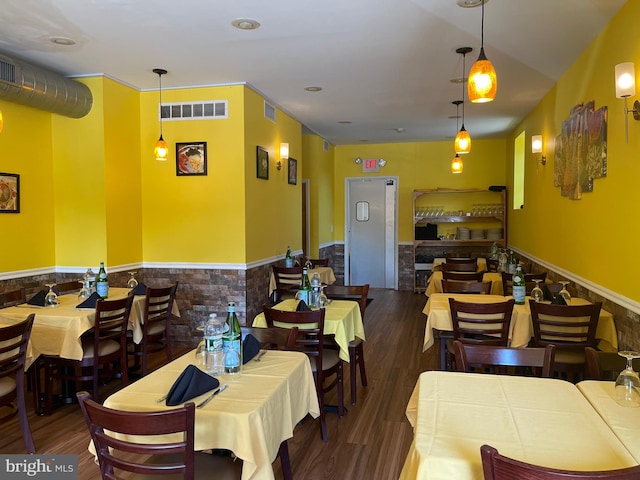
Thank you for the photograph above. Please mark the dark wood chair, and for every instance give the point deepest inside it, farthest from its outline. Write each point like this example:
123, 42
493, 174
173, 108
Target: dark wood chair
144, 459
499, 467
358, 293
507, 281
605, 365
13, 352
492, 359
67, 287
12, 297
288, 281
479, 324
325, 362
103, 346
458, 286
273, 338
468, 266
156, 327
315, 262
571, 328
463, 276
492, 264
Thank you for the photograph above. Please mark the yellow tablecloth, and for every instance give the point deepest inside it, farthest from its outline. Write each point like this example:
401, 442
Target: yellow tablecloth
342, 319
521, 328
57, 331
435, 283
326, 275
537, 420
252, 417
624, 421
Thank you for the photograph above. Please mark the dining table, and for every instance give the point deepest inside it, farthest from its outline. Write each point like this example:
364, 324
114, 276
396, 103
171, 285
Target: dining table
327, 277
438, 315
342, 320
435, 283
58, 330
252, 417
542, 421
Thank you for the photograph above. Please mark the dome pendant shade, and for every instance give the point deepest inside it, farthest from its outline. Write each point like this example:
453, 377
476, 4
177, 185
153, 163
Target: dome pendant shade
462, 143
456, 164
483, 83
161, 150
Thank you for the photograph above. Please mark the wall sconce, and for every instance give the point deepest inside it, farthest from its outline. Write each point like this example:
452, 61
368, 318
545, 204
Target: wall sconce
626, 87
536, 147
358, 160
284, 155
161, 149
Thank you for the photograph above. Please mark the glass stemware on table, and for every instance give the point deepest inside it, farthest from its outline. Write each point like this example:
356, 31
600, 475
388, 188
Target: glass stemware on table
85, 291
536, 292
132, 282
627, 388
51, 298
564, 293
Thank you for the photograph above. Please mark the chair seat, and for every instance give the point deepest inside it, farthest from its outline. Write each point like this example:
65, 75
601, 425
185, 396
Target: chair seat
330, 358
7, 385
567, 356
355, 342
156, 329
207, 465
106, 348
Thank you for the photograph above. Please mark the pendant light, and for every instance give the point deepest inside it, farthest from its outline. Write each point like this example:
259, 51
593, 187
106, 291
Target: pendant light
483, 82
456, 163
462, 143
161, 150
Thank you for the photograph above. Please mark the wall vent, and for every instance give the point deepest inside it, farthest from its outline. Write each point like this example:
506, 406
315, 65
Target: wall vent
7, 71
325, 145
270, 111
200, 110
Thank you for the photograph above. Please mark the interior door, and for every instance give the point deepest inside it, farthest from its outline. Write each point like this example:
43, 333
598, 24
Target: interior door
371, 237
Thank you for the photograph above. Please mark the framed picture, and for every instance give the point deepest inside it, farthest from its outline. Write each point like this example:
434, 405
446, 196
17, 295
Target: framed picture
293, 171
191, 158
262, 163
9, 193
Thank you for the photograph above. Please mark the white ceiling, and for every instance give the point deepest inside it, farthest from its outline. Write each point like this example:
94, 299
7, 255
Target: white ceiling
383, 65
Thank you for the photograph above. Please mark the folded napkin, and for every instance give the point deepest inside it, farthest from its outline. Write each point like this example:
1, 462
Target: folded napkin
546, 293
141, 289
37, 299
90, 302
302, 307
191, 383
250, 348
559, 300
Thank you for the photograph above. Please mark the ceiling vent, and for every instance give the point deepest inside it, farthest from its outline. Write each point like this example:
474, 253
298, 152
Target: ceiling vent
35, 87
199, 110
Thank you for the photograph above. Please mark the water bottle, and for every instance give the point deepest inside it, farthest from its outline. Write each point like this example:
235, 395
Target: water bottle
232, 342
213, 349
91, 278
511, 268
315, 290
288, 259
519, 286
102, 284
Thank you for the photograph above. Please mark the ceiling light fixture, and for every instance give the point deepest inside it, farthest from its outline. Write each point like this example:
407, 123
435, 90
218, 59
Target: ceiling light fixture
456, 162
483, 82
245, 24
64, 41
625, 88
161, 150
462, 143
313, 89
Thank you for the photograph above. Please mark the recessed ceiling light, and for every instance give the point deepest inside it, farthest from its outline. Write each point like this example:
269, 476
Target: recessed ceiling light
399, 129
245, 24
62, 41
313, 89
470, 3
345, 122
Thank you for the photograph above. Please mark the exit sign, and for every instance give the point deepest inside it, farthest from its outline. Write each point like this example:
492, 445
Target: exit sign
370, 165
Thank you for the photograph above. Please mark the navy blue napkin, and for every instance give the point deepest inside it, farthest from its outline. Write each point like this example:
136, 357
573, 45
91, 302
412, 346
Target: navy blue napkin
302, 307
546, 293
191, 383
250, 348
90, 302
558, 300
37, 299
141, 289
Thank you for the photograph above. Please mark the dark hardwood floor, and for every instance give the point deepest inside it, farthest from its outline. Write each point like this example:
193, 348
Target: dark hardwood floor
370, 442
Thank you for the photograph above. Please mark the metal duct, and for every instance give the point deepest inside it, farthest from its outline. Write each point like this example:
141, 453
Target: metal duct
35, 87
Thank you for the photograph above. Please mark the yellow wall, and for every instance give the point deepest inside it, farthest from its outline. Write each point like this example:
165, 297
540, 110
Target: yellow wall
586, 236
419, 166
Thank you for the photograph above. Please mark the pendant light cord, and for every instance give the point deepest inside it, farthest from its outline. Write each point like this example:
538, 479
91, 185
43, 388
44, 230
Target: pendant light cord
464, 55
482, 27
160, 81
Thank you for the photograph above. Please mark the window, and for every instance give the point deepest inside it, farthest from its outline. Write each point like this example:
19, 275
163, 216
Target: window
518, 172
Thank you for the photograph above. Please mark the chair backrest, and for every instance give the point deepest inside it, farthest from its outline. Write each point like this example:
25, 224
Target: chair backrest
499, 467
463, 276
507, 281
571, 326
13, 347
605, 365
483, 356
111, 322
315, 262
481, 323
287, 279
67, 287
492, 264
273, 338
462, 266
101, 420
358, 293
12, 297
158, 305
458, 286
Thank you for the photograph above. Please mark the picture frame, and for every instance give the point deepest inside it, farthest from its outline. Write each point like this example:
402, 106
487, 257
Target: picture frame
292, 171
9, 193
262, 163
191, 159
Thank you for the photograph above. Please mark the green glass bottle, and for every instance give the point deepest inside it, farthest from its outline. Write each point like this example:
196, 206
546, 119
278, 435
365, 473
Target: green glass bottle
288, 259
519, 286
305, 288
232, 342
102, 284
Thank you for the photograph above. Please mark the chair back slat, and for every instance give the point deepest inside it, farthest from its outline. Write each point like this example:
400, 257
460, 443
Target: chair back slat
458, 286
273, 338
486, 356
358, 293
463, 276
462, 266
481, 323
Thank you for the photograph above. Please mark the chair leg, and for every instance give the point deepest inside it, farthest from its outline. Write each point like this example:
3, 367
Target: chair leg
363, 372
22, 414
353, 360
341, 410
285, 462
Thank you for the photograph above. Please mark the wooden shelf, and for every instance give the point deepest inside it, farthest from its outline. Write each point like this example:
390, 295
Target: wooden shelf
463, 219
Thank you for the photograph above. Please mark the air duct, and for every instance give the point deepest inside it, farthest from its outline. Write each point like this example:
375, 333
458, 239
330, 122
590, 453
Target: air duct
35, 87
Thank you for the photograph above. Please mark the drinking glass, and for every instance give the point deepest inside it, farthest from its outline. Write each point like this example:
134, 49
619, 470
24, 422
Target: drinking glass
85, 291
50, 299
565, 293
628, 383
323, 301
132, 283
536, 292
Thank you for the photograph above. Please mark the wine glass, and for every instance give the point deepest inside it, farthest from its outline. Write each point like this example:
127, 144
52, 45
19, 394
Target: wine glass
536, 292
132, 283
564, 293
51, 298
628, 383
85, 291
